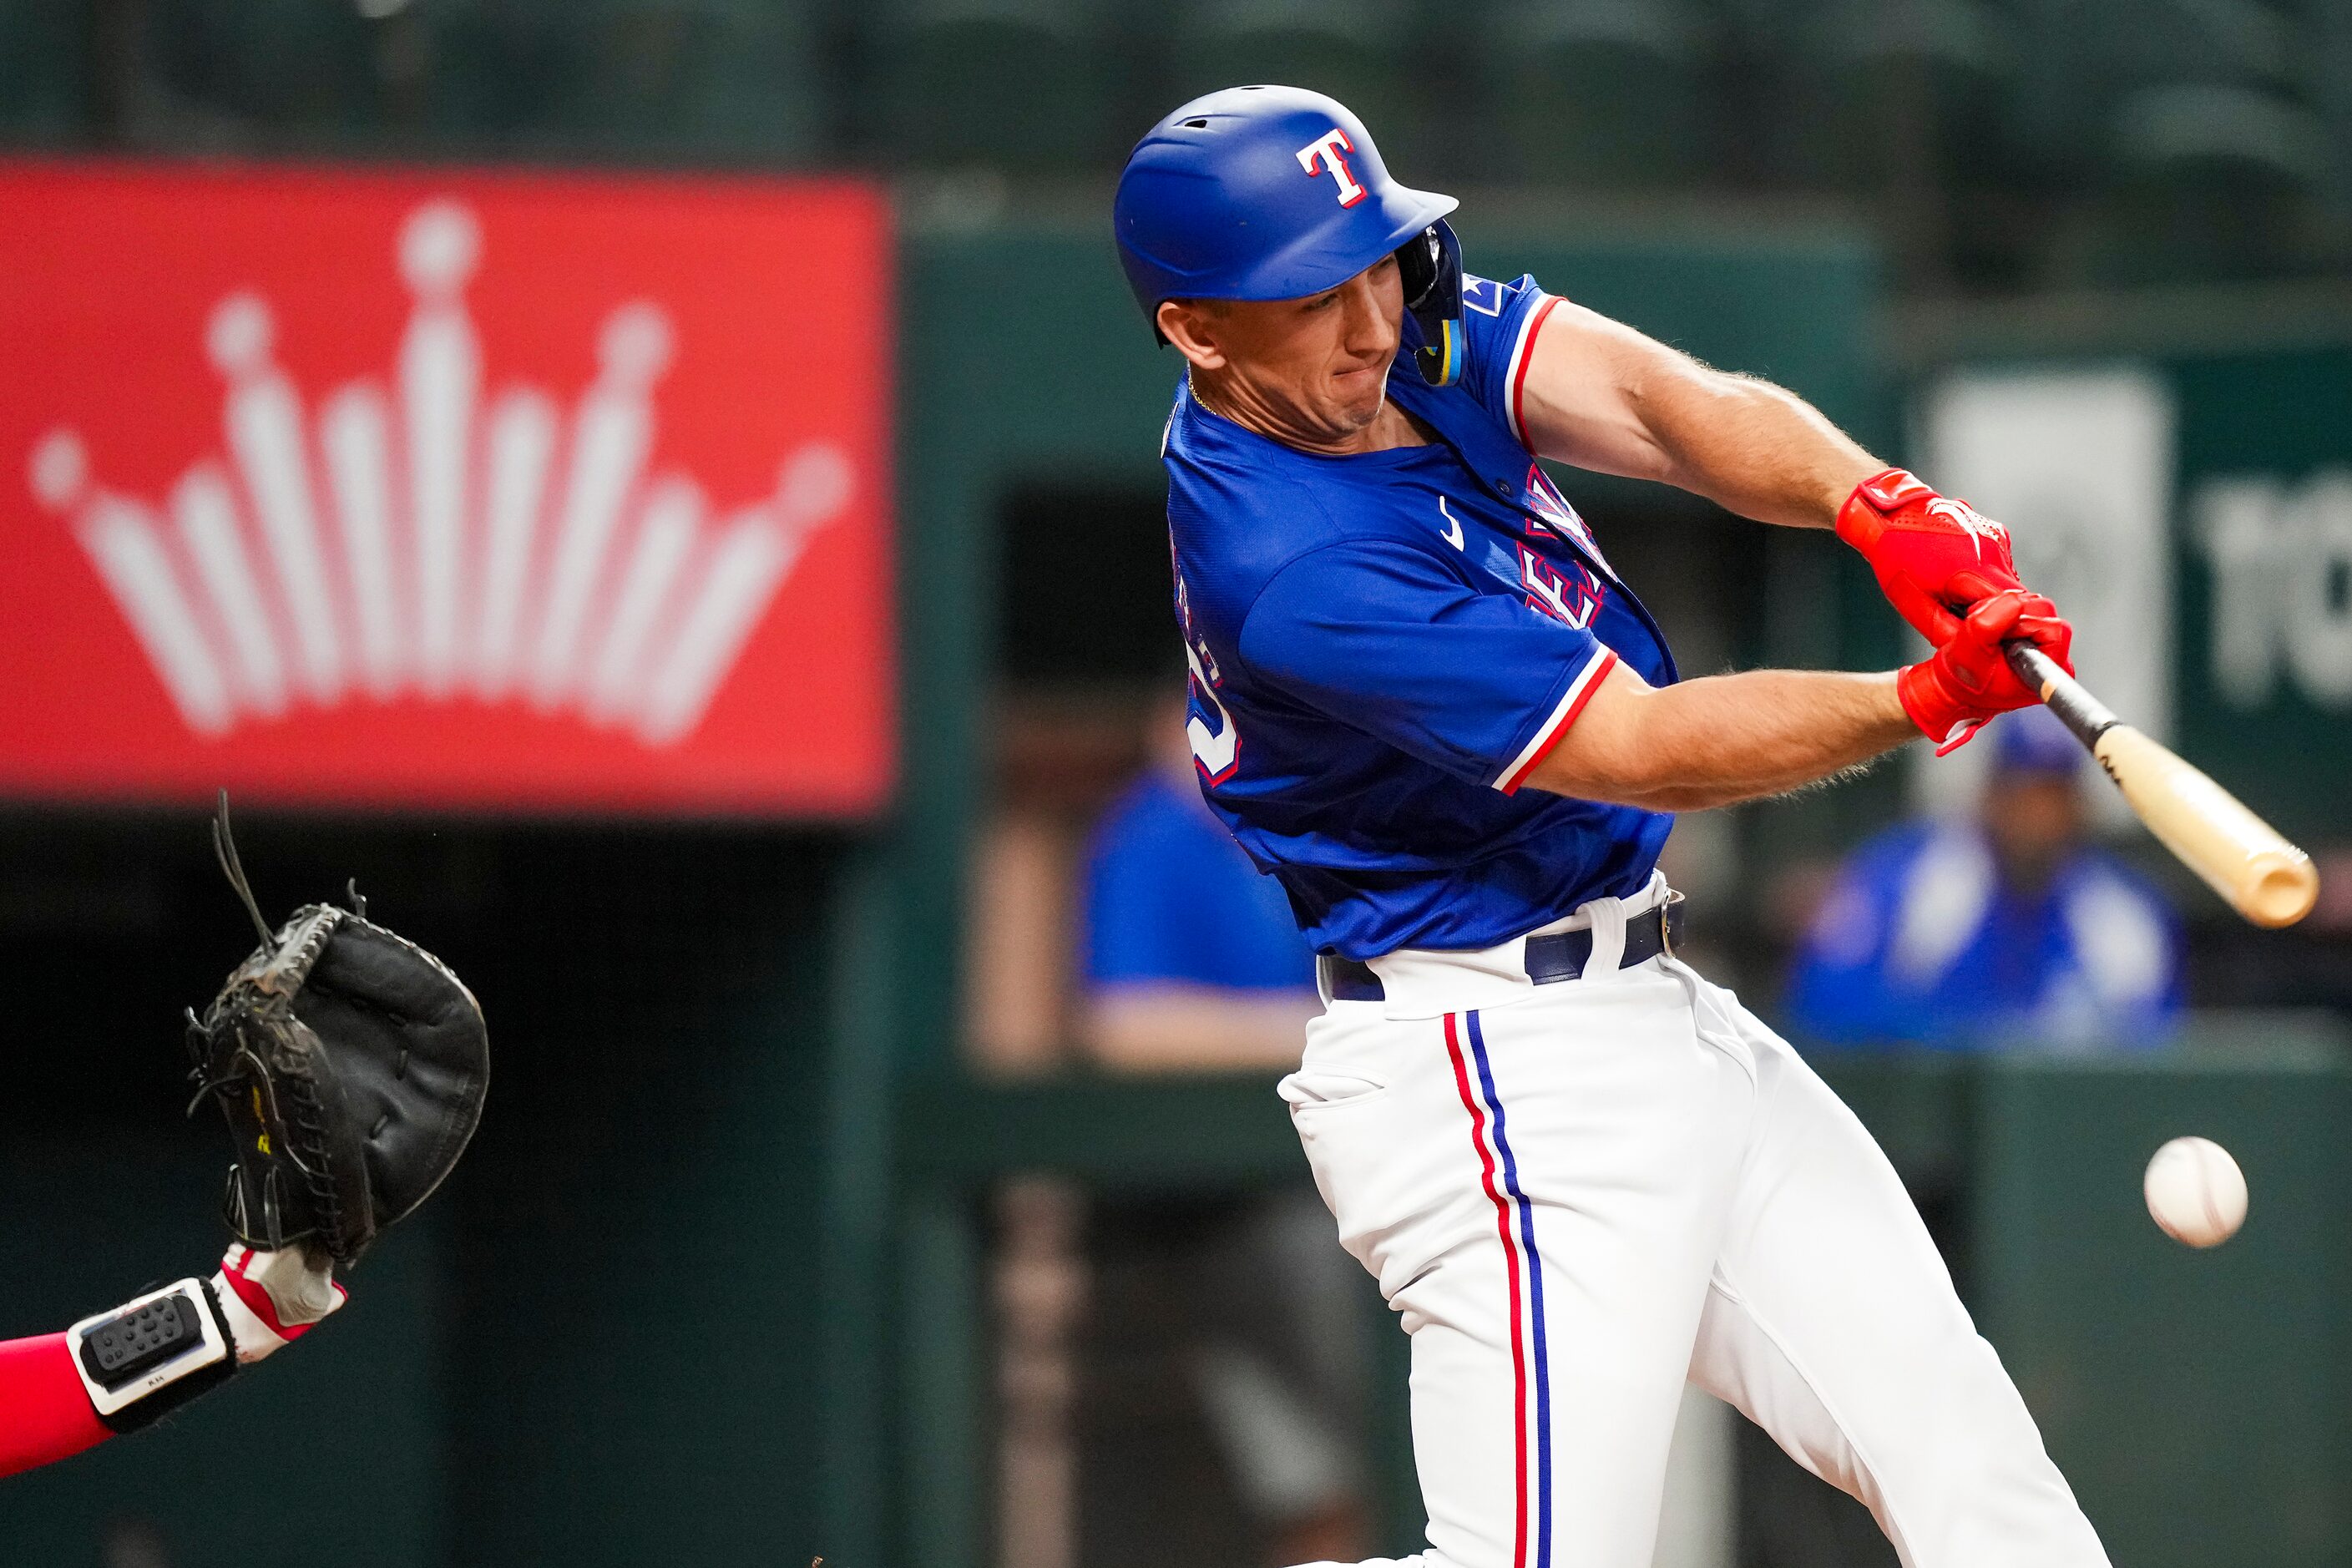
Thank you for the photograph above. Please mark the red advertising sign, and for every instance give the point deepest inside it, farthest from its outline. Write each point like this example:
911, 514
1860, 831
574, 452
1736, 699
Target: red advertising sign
467, 491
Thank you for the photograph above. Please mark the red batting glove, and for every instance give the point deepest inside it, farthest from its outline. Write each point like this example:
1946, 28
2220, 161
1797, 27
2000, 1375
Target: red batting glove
1969, 679
1934, 557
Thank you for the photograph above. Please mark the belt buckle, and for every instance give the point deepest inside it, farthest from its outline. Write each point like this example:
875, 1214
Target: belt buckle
1667, 922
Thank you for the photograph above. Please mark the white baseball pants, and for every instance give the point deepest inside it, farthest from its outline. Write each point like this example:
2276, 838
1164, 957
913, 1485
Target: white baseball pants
1578, 1196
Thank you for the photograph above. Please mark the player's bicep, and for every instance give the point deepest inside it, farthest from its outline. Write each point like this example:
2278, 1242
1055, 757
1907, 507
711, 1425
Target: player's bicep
1588, 382
1602, 753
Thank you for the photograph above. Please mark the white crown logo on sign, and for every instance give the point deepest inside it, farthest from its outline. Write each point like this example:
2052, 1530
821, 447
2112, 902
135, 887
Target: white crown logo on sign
508, 549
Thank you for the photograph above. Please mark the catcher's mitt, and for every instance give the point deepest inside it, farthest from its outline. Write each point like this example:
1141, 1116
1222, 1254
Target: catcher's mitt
351, 1065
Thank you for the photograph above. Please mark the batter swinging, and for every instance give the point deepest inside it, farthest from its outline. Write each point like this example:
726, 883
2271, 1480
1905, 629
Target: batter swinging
1423, 700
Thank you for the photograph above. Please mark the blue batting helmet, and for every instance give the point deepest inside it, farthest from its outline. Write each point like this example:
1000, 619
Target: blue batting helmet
1275, 193
2033, 740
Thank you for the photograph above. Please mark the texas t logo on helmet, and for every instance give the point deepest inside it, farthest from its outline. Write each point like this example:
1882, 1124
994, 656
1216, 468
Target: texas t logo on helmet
1322, 157
1211, 207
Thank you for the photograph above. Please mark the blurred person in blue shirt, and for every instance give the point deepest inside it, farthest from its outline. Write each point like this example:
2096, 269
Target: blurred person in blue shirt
2009, 932
1194, 962
1193, 959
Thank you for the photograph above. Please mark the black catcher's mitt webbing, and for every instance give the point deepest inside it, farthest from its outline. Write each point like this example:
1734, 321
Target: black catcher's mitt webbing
351, 1065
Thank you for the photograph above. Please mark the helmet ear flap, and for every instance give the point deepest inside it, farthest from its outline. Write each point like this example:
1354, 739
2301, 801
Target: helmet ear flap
1428, 266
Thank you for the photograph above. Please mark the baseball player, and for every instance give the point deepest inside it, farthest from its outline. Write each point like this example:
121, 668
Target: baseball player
1423, 700
125, 1369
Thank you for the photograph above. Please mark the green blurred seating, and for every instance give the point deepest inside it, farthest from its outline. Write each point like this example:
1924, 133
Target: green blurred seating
724, 79
1361, 52
2155, 43
1024, 86
2081, 59
303, 70
698, 77
2182, 137
43, 72
1600, 93
2208, 183
721, 75
505, 73
1907, 92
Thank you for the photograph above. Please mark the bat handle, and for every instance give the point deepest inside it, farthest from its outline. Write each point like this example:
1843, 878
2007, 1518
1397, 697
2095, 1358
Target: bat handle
2081, 712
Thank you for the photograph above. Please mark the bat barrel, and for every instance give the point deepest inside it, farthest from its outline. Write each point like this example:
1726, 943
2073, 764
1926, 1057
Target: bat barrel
2282, 892
2240, 856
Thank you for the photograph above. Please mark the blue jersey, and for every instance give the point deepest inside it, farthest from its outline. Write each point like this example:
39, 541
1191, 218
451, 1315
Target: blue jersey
1920, 942
1383, 646
1169, 897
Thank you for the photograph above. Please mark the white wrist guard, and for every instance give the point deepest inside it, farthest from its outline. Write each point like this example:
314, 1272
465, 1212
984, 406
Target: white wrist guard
149, 1356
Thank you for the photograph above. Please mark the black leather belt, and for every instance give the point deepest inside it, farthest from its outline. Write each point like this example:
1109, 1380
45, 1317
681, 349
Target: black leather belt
1557, 957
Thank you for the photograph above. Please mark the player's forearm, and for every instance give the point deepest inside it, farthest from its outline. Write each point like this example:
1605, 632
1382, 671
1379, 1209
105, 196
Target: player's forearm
122, 1370
1722, 738
44, 1414
1188, 1027
1754, 449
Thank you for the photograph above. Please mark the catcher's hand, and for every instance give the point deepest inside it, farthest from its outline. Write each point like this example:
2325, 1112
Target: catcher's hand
351, 1065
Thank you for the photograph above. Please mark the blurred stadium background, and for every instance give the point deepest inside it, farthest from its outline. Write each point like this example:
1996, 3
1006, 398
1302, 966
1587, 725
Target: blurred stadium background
818, 1210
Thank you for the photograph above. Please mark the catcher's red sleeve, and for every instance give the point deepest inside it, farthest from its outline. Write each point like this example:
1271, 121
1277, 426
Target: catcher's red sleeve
45, 1415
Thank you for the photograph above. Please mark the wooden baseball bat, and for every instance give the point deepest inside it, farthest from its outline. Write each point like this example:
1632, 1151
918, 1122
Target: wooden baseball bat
2239, 856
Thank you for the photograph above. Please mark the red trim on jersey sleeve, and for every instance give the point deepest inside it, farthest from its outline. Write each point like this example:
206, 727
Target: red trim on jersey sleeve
45, 1415
1579, 692
1522, 356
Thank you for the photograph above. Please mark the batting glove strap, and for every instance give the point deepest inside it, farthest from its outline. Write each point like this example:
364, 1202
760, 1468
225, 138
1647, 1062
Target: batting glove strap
1862, 520
147, 1357
1942, 717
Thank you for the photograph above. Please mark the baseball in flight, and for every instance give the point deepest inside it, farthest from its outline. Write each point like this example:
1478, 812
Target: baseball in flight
2196, 1193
